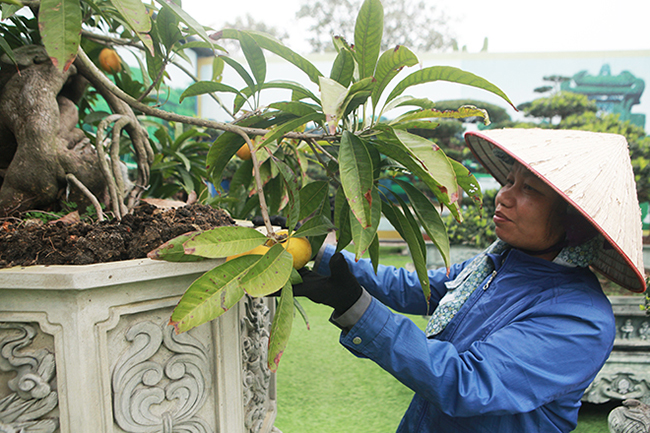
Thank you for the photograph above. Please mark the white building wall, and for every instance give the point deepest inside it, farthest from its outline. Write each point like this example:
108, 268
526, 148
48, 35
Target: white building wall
516, 74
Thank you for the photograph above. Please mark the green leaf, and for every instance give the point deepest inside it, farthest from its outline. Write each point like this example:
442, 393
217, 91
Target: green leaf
432, 157
446, 73
429, 218
399, 222
186, 18
243, 73
368, 31
202, 44
316, 226
212, 294
410, 219
254, 57
167, 25
296, 108
301, 311
220, 153
155, 65
15, 6
241, 180
373, 252
332, 96
312, 196
417, 247
467, 181
388, 144
279, 131
416, 124
292, 186
342, 220
281, 327
319, 225
173, 251
273, 45
276, 84
218, 66
356, 95
356, 169
60, 24
364, 236
269, 274
203, 87
343, 68
463, 112
136, 17
407, 100
223, 241
388, 66
7, 49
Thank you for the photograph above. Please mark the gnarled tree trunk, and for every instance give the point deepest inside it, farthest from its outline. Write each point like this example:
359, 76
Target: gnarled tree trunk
39, 140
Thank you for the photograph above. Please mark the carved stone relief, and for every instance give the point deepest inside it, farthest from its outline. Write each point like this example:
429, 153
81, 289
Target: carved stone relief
626, 374
632, 417
154, 393
618, 386
634, 330
256, 375
29, 398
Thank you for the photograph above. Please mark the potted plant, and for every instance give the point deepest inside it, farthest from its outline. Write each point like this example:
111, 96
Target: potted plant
355, 146
137, 373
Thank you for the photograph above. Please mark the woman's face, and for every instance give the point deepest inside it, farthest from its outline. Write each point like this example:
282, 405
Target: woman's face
528, 212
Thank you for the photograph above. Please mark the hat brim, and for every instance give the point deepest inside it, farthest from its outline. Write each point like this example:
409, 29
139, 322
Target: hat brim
621, 264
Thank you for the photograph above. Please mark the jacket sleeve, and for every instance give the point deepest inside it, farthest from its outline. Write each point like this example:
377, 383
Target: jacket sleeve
555, 349
409, 299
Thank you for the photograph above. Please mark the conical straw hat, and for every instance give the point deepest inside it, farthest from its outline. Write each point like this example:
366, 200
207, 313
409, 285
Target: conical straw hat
592, 171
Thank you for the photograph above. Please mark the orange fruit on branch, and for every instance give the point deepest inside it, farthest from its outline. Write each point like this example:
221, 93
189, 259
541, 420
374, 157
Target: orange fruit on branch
299, 248
110, 61
244, 152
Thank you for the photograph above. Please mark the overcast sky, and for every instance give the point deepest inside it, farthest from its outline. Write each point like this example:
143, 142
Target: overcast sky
510, 25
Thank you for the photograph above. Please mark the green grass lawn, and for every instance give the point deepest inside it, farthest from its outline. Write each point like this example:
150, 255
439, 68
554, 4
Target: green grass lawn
323, 388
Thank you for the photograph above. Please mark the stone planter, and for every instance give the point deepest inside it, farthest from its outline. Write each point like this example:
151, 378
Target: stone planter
87, 349
626, 374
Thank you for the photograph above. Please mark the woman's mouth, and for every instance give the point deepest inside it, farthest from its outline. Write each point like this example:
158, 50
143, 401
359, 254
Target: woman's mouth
499, 217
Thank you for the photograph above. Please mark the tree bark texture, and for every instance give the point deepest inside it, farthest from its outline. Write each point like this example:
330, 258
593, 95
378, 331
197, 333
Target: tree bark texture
39, 140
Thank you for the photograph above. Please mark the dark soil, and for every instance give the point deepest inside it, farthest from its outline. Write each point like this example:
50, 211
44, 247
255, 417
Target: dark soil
83, 243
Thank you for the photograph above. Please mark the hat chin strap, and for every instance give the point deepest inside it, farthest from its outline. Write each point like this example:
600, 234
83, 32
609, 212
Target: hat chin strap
555, 247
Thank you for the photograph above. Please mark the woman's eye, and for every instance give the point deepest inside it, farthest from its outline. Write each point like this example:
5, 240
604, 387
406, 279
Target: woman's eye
529, 188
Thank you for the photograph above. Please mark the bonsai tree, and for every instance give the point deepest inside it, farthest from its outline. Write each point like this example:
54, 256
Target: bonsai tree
342, 127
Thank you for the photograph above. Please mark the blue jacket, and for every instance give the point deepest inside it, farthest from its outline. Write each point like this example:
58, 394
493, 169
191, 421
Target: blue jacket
516, 358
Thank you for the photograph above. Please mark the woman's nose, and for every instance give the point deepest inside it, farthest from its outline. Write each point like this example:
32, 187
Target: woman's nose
504, 197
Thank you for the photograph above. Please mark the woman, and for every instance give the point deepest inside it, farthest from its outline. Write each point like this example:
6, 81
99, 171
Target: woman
517, 333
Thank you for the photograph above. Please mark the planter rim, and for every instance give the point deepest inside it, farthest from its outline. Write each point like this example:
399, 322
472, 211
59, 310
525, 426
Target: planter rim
83, 277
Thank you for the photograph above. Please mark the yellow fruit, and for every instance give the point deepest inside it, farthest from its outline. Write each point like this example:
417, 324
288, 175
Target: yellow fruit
299, 248
110, 61
244, 152
261, 250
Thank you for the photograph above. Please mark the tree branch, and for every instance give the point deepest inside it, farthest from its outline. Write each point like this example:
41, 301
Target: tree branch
82, 57
103, 163
98, 208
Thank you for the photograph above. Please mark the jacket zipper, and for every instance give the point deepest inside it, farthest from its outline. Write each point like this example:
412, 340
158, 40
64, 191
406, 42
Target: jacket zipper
494, 274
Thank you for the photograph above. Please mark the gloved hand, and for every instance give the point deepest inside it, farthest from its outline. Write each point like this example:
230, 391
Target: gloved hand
340, 290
